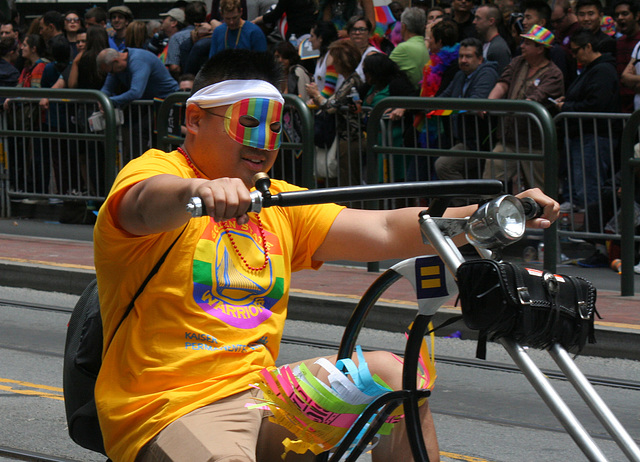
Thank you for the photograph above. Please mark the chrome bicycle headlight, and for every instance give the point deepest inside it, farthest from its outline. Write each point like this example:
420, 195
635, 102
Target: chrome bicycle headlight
497, 223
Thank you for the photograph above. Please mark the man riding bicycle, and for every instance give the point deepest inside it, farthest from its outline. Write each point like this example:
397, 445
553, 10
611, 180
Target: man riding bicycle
181, 376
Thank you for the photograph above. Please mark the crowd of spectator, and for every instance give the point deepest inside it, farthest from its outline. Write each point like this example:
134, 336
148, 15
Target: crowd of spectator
570, 56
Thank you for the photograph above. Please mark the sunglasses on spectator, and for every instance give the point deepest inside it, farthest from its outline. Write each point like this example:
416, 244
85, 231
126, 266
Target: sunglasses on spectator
72, 19
359, 29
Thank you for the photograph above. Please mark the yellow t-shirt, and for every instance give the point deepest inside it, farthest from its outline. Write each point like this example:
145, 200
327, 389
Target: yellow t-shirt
204, 326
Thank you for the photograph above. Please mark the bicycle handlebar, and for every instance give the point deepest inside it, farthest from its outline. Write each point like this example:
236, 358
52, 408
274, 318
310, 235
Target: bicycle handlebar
531, 208
261, 197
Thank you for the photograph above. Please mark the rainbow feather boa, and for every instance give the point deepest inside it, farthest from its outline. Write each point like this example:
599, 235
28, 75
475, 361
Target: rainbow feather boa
433, 70
431, 81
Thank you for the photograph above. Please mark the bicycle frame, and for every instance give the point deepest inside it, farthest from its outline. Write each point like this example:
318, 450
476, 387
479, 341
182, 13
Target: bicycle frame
439, 232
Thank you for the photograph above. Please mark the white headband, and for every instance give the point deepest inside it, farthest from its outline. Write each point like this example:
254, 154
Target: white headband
232, 91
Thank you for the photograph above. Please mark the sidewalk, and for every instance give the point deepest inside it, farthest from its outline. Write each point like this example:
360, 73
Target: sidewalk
328, 295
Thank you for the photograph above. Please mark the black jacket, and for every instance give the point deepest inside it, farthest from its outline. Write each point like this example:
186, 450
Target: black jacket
596, 89
606, 44
8, 74
480, 85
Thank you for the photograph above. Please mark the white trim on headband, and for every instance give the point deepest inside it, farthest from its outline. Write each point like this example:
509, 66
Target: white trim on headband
232, 91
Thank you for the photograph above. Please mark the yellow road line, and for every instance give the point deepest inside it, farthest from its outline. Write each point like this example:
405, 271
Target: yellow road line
358, 297
31, 385
616, 324
316, 292
33, 389
48, 263
40, 394
454, 456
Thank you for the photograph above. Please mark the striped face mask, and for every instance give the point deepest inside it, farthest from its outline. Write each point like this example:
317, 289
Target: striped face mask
255, 122
254, 113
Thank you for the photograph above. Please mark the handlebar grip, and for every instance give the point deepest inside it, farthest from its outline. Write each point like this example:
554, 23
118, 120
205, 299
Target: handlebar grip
531, 208
196, 207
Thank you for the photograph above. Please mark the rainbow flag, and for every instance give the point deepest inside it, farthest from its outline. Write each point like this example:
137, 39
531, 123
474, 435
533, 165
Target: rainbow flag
384, 18
163, 54
444, 112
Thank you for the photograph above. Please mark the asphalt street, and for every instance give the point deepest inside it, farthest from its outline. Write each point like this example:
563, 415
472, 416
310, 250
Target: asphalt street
480, 414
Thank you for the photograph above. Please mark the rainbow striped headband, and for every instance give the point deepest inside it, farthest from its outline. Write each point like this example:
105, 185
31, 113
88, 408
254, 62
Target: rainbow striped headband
254, 112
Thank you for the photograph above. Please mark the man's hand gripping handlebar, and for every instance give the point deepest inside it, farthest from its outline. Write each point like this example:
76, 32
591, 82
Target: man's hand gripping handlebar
531, 208
196, 207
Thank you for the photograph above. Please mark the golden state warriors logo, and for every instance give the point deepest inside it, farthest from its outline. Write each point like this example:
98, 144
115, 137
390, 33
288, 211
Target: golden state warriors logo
223, 288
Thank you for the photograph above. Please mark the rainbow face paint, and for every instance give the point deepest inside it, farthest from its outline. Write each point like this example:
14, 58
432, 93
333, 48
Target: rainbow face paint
255, 122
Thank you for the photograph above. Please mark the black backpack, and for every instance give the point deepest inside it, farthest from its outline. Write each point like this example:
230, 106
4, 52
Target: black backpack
82, 361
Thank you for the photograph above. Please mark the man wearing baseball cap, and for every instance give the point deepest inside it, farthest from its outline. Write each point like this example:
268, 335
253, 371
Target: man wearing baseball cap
120, 17
534, 77
180, 44
175, 20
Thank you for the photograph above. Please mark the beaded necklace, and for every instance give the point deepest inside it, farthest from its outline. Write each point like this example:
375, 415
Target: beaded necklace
226, 230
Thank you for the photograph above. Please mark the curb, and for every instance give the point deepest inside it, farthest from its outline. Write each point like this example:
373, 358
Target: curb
612, 342
45, 277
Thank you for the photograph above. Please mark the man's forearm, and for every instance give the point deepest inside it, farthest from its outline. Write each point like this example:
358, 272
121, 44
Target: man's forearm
156, 204
499, 91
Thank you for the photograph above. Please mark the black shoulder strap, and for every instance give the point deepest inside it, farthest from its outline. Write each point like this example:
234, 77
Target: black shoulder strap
146, 281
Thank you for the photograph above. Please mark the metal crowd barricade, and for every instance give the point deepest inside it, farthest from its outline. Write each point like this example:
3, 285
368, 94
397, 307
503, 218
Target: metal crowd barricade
169, 120
629, 168
340, 162
4, 174
349, 153
295, 161
52, 153
138, 132
541, 131
588, 146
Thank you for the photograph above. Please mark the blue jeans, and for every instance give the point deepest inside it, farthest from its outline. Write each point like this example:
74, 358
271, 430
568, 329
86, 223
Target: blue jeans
590, 167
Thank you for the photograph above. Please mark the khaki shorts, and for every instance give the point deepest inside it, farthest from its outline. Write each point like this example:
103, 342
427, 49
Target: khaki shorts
224, 430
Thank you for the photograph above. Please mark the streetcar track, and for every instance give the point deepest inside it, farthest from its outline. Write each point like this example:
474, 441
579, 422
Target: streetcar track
475, 363
23, 454
514, 423
50, 354
462, 362
36, 306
